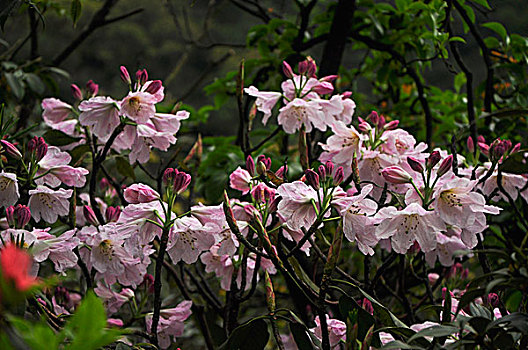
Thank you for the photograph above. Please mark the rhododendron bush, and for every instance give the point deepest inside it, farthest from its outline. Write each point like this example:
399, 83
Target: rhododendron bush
366, 238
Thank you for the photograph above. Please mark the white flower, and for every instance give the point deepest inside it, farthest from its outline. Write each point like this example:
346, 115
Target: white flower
8, 189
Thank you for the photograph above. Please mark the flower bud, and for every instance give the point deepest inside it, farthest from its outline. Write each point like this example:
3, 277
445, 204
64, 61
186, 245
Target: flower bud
42, 149
250, 165
330, 79
445, 166
148, 280
323, 88
266, 160
168, 176
346, 94
433, 277
433, 159
142, 76
396, 175
339, 176
112, 213
140, 193
392, 125
367, 306
481, 138
415, 164
89, 215
181, 181
114, 322
484, 148
22, 215
364, 127
312, 178
270, 294
374, 117
251, 211
381, 122
470, 145
153, 87
516, 148
329, 167
493, 300
11, 149
92, 87
125, 76
261, 168
281, 172
302, 67
287, 70
76, 92
322, 172
10, 216
311, 68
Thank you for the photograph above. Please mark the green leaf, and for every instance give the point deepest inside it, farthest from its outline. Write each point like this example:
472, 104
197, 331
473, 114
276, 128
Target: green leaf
460, 79
457, 38
8, 8
517, 321
35, 83
124, 168
435, 331
58, 138
252, 335
75, 11
364, 319
302, 340
78, 152
483, 3
15, 84
497, 28
515, 164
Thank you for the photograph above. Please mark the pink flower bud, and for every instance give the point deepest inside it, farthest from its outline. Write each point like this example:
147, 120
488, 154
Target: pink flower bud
168, 176
114, 322
516, 148
367, 306
125, 76
89, 215
311, 68
148, 280
470, 145
396, 175
433, 159
22, 215
329, 166
493, 300
323, 88
11, 149
374, 117
364, 127
250, 165
281, 172
322, 172
445, 166
76, 92
330, 79
481, 138
266, 160
433, 277
104, 183
339, 176
92, 87
381, 122
112, 214
302, 67
392, 125
346, 94
484, 148
142, 76
10, 216
42, 149
181, 181
140, 193
312, 178
287, 70
415, 164
153, 87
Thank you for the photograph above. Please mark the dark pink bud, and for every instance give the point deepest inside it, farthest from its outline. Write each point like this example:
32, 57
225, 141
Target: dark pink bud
89, 215
181, 181
10, 216
346, 94
76, 92
396, 175
112, 214
287, 70
148, 280
484, 148
32, 144
330, 79
516, 148
364, 127
339, 176
11, 149
258, 193
312, 67
322, 171
470, 145
367, 305
493, 300
415, 164
125, 76
481, 138
302, 67
168, 176
92, 87
373, 117
266, 160
104, 183
392, 125
433, 159
282, 171
250, 165
445, 166
312, 178
42, 149
141, 76
323, 88
153, 87
381, 121
22, 215
329, 166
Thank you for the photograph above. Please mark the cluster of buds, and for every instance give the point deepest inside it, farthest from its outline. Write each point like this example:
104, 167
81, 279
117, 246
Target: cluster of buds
18, 217
325, 176
11, 149
176, 180
457, 271
141, 77
92, 89
308, 68
262, 193
496, 151
378, 121
37, 147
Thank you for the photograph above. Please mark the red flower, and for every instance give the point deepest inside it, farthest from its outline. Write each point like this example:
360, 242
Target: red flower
14, 265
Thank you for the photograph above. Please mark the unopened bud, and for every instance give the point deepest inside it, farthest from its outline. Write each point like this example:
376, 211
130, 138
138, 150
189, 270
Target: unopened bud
364, 127
323, 88
22, 215
381, 122
89, 215
346, 94
302, 67
392, 125
141, 76
125, 76
266, 160
181, 181
516, 148
11, 149
329, 167
250, 165
493, 300
140, 193
312, 67
112, 214
433, 277
339, 176
470, 145
148, 280
10, 216
168, 176
367, 306
287, 70
76, 92
415, 164
330, 79
42, 149
484, 148
153, 87
374, 117
433, 159
281, 172
396, 175
261, 168
445, 166
481, 138
312, 178
92, 87
322, 172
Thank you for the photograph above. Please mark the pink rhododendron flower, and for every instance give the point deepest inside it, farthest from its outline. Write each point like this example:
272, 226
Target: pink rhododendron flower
133, 223
445, 247
140, 193
341, 146
240, 179
113, 300
158, 94
49, 204
289, 86
139, 106
170, 322
101, 114
300, 112
8, 189
57, 249
296, 204
188, 238
336, 331
54, 170
265, 102
55, 111
400, 142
